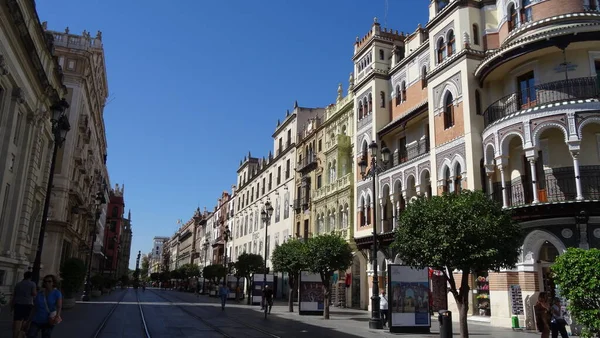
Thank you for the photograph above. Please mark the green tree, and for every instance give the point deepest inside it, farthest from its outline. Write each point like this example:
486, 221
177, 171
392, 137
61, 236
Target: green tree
145, 267
467, 232
290, 257
576, 274
246, 265
214, 273
72, 275
324, 255
155, 276
190, 270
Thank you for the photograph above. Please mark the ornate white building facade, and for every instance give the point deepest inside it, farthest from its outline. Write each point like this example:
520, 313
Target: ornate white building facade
30, 82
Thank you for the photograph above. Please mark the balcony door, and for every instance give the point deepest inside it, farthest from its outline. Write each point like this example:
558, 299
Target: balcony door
402, 152
526, 90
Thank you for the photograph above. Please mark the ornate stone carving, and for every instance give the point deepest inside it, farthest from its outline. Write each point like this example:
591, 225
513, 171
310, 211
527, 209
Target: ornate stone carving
597, 232
3, 67
18, 95
567, 233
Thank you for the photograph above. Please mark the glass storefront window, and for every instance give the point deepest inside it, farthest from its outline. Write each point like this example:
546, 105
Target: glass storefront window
482, 294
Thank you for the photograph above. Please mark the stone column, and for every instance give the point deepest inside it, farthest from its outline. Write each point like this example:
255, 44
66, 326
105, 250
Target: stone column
393, 206
575, 155
501, 163
534, 184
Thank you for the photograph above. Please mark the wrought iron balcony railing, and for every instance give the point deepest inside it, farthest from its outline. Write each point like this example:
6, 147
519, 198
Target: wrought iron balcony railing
552, 92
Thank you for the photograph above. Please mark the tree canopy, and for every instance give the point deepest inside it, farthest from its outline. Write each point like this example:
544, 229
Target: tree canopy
214, 273
290, 257
466, 231
246, 265
576, 273
324, 255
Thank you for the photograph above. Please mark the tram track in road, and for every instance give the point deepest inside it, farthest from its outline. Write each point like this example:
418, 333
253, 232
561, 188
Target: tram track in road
100, 328
211, 325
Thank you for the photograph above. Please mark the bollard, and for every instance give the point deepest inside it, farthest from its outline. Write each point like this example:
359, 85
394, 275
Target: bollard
515, 322
445, 319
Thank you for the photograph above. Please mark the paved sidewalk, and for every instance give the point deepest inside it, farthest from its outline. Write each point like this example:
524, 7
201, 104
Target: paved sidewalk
351, 321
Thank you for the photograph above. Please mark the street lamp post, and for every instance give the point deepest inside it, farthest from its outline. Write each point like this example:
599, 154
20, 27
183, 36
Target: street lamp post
226, 236
98, 201
266, 217
372, 173
205, 247
60, 127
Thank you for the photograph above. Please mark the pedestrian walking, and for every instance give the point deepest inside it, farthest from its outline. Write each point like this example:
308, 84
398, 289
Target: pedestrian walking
268, 297
383, 307
22, 303
558, 322
223, 293
46, 309
543, 315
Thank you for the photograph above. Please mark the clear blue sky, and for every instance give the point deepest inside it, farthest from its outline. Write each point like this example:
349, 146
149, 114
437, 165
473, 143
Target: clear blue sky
195, 86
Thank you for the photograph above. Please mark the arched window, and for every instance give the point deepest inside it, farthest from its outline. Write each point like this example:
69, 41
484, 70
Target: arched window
370, 103
457, 178
362, 212
365, 150
398, 95
475, 34
381, 54
403, 91
424, 77
368, 213
448, 187
441, 51
451, 43
382, 98
512, 18
448, 111
115, 212
360, 110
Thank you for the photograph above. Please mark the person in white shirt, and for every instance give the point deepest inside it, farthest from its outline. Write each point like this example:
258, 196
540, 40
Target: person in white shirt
383, 307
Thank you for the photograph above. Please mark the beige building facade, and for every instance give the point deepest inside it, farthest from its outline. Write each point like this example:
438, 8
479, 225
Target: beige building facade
81, 162
30, 82
333, 201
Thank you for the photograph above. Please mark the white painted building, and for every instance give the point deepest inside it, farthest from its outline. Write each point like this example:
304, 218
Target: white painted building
30, 82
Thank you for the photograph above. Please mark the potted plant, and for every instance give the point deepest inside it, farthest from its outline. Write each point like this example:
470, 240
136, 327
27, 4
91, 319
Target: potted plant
97, 283
72, 274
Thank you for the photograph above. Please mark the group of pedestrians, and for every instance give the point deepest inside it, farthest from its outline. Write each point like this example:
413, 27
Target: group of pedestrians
549, 317
36, 311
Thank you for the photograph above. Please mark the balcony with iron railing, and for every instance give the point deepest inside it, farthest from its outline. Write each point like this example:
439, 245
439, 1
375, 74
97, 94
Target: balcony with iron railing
412, 151
301, 203
551, 189
542, 94
307, 163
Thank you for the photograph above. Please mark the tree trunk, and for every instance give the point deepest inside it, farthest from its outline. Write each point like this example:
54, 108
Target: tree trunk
461, 297
248, 290
463, 310
292, 284
326, 301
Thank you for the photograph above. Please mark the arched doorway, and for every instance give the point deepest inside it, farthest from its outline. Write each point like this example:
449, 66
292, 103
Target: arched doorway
356, 272
546, 258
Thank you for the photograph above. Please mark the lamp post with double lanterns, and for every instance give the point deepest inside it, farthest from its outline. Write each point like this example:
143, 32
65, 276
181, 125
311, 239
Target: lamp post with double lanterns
266, 218
60, 127
99, 200
372, 173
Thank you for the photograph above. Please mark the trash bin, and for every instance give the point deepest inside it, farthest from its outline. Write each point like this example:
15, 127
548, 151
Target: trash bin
445, 318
